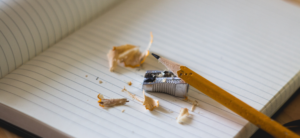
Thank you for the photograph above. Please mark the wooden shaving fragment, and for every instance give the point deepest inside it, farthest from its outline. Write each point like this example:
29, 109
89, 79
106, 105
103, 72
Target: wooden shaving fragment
186, 98
150, 103
129, 83
132, 95
183, 115
86, 75
100, 82
195, 103
123, 111
110, 102
100, 97
127, 55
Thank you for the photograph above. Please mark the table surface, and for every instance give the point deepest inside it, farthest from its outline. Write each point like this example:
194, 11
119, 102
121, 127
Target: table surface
287, 113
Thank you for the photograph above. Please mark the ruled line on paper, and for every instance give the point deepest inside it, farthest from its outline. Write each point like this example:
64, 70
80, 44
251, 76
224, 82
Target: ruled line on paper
71, 15
56, 18
43, 24
26, 27
19, 49
5, 58
13, 55
62, 12
30, 27
37, 104
15, 37
51, 21
35, 25
0, 71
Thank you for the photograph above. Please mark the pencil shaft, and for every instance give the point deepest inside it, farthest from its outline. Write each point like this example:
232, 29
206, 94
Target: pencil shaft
252, 115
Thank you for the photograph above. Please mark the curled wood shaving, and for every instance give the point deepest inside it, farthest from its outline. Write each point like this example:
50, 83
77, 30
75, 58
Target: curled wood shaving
129, 83
110, 102
184, 113
150, 103
127, 55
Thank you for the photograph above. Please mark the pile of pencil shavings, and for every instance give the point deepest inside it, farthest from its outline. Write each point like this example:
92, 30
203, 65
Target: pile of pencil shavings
148, 102
127, 55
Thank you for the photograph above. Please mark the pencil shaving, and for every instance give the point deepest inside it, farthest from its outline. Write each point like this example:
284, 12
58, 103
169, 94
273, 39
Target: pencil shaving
110, 102
186, 98
129, 83
150, 103
195, 103
133, 96
127, 55
183, 115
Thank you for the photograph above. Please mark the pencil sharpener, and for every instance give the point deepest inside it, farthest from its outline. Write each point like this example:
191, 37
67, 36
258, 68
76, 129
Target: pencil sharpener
164, 82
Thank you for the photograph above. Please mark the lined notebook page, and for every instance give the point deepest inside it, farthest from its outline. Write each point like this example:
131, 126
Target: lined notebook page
28, 27
248, 48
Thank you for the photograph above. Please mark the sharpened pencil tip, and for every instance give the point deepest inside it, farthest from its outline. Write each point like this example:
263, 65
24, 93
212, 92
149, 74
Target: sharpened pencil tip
156, 56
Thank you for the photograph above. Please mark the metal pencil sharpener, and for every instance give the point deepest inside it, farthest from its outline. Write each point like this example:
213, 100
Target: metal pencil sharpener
164, 82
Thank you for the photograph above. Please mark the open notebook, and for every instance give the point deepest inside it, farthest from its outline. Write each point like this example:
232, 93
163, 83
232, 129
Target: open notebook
249, 48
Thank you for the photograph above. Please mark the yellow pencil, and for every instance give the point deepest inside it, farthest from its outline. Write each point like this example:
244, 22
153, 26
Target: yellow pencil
215, 92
